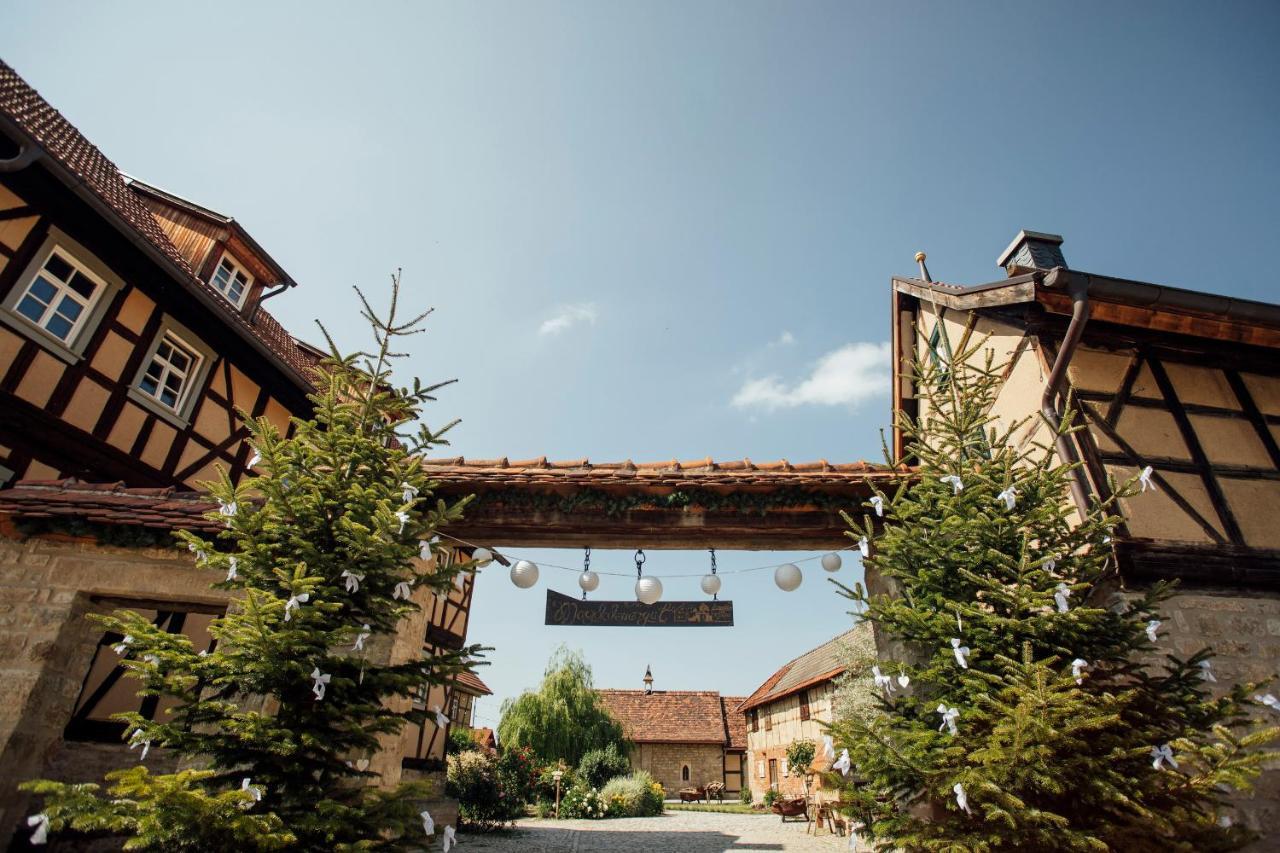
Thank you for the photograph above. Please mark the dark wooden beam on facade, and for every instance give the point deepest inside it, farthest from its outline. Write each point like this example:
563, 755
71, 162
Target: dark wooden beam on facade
1198, 565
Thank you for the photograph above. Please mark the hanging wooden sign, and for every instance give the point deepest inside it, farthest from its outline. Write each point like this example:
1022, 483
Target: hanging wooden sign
565, 610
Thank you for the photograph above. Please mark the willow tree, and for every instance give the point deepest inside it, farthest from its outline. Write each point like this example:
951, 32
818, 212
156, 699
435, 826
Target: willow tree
564, 718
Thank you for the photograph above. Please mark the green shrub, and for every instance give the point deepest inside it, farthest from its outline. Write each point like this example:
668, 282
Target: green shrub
472, 778
637, 795
800, 756
600, 765
519, 774
769, 796
545, 788
744, 796
583, 801
460, 740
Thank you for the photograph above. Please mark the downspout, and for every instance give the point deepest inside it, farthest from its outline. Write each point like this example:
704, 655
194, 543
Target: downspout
1077, 287
26, 155
279, 289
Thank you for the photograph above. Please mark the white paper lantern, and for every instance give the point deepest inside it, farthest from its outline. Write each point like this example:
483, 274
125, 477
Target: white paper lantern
787, 577
832, 562
711, 584
588, 581
648, 590
524, 574
484, 557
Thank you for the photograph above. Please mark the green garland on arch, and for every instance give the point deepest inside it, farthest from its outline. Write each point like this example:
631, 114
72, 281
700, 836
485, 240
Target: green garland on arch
705, 499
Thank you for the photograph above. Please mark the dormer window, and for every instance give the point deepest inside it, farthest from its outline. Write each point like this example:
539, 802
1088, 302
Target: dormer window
232, 281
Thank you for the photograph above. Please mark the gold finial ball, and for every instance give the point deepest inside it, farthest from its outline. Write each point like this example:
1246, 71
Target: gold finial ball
919, 257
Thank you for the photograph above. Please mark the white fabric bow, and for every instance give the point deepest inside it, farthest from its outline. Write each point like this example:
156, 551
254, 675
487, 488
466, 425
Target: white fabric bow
878, 503
41, 824
1077, 669
403, 518
864, 547
949, 717
1050, 564
1060, 596
233, 565
122, 648
403, 590
1010, 497
294, 602
1144, 478
227, 510
408, 492
139, 739
1270, 701
961, 652
460, 581
828, 748
957, 485
428, 825
882, 680
255, 790
424, 549
450, 837
1161, 754
441, 719
201, 556
321, 679
1206, 671
843, 764
961, 799
1152, 627
353, 580
360, 638
255, 458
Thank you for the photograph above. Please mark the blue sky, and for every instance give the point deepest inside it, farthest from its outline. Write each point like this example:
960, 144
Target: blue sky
666, 229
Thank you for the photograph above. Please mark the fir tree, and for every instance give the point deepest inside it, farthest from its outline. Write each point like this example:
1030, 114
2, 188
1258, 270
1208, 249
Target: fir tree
321, 546
1031, 709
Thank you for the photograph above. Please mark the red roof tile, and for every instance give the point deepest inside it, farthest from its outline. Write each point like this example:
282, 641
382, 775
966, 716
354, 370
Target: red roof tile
471, 683
813, 667
109, 503
669, 716
735, 721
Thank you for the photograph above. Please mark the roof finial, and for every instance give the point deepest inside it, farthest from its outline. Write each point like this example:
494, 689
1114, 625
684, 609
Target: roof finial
648, 680
924, 271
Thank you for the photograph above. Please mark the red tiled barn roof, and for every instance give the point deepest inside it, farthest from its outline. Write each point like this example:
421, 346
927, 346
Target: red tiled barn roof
811, 668
110, 503
668, 716
735, 721
471, 683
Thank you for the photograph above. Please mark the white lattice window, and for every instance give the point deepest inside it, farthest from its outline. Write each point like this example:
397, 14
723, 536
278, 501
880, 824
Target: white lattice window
59, 296
232, 281
171, 373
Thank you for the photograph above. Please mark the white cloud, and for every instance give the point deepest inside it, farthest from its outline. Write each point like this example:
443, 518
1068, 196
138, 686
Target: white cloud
567, 316
843, 377
784, 339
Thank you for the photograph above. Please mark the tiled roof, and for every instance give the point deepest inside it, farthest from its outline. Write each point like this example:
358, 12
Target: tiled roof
735, 721
669, 716
471, 683
68, 146
109, 503
811, 668
699, 472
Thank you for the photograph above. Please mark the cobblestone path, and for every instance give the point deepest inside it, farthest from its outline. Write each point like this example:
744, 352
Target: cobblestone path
674, 832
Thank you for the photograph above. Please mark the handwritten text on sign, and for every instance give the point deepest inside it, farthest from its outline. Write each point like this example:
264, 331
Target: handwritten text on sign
563, 610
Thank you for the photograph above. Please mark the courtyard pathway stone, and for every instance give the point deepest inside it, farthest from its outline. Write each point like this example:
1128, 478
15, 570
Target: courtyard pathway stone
674, 832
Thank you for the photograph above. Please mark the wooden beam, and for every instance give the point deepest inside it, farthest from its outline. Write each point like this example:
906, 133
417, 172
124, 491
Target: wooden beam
1254, 415
1212, 565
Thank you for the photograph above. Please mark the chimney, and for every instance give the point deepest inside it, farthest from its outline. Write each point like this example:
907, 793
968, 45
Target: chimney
1030, 251
648, 681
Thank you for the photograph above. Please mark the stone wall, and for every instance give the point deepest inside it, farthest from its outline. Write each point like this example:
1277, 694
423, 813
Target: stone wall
664, 761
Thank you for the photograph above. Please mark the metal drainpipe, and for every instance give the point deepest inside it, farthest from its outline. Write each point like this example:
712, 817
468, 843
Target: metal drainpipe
26, 155
279, 289
1077, 286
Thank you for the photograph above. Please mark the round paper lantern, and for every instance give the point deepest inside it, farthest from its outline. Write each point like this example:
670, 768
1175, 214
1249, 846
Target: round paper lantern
787, 577
648, 590
711, 584
588, 581
832, 562
484, 557
524, 574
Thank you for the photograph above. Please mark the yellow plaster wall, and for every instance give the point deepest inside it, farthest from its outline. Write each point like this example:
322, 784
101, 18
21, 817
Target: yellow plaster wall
1201, 386
14, 231
39, 380
1254, 504
1151, 432
87, 403
10, 343
158, 444
112, 355
125, 430
1230, 441
136, 310
1098, 370
1153, 514
1265, 391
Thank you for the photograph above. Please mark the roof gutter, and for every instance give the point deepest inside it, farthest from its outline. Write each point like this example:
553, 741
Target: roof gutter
142, 244
27, 154
1077, 286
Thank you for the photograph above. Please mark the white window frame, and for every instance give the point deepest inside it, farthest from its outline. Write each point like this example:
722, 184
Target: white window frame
168, 369
82, 261
236, 267
196, 374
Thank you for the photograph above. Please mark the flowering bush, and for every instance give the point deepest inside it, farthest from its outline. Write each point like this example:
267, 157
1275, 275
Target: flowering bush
519, 774
583, 801
598, 766
545, 791
484, 802
637, 795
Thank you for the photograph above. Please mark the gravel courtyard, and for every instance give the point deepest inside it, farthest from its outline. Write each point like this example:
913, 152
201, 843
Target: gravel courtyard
674, 832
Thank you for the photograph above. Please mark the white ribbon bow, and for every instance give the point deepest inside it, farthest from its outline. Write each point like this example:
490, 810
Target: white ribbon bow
408, 492
961, 653
428, 825
1206, 672
255, 790
139, 739
41, 824
1161, 754
1077, 669
294, 602
227, 511
949, 717
1270, 701
441, 719
403, 590
1152, 627
321, 679
233, 565
878, 503
1010, 497
961, 799
1144, 478
843, 764
1060, 596
864, 547
201, 556
957, 485
353, 580
360, 638
122, 648
1050, 564
255, 458
404, 519
424, 549
828, 748
882, 680
460, 581
450, 837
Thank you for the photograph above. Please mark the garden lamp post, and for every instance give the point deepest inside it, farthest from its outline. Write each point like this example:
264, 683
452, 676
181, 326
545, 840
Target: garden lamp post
556, 775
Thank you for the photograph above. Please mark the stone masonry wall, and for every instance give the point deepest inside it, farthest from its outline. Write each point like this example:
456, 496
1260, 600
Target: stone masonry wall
664, 762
